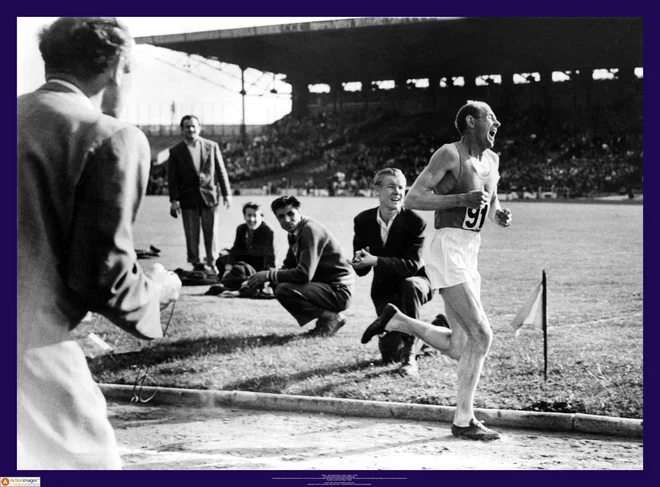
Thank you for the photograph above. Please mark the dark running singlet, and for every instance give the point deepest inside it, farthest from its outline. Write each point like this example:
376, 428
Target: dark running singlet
469, 179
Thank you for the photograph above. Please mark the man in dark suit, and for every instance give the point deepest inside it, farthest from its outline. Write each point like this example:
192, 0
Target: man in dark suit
82, 175
389, 239
197, 179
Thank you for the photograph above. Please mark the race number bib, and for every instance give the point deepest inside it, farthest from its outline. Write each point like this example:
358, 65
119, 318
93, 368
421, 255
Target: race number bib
475, 218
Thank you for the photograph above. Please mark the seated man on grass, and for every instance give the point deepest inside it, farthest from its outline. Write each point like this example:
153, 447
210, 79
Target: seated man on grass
253, 250
316, 281
253, 243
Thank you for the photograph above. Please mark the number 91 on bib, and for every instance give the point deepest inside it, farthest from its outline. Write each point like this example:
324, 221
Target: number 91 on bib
475, 218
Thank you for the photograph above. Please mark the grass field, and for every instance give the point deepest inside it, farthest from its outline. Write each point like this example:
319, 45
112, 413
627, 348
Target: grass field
592, 254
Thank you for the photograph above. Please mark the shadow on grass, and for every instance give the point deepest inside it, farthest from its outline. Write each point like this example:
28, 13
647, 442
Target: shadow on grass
159, 353
182, 349
276, 383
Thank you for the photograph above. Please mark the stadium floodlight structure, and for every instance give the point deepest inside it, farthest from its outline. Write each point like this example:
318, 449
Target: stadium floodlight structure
217, 73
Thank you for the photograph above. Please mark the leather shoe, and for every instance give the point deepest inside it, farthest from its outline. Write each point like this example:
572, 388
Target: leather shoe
378, 326
328, 324
474, 431
408, 359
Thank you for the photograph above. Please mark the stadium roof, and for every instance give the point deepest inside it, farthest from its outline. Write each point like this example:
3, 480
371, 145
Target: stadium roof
391, 48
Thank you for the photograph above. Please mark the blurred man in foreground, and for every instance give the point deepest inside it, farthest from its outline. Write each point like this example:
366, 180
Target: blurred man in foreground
82, 175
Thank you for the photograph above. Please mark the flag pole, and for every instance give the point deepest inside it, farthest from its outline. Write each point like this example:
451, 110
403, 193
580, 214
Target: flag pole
545, 328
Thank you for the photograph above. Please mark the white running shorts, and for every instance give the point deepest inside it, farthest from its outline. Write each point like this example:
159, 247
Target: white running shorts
451, 258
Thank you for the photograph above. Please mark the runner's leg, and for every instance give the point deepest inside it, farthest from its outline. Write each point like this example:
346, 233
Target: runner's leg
464, 300
436, 336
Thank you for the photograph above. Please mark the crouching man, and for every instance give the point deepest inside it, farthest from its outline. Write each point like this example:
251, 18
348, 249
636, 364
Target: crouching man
316, 281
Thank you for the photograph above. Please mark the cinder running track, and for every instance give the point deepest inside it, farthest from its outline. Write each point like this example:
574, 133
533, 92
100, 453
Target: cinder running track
182, 438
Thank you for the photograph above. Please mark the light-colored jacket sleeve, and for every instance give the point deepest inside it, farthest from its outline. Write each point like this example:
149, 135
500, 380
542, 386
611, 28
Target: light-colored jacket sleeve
173, 175
103, 267
220, 171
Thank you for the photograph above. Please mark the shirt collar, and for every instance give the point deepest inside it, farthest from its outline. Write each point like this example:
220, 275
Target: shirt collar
73, 88
382, 222
192, 144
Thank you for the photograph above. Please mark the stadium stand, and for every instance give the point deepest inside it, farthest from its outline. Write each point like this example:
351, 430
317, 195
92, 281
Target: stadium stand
567, 139
570, 161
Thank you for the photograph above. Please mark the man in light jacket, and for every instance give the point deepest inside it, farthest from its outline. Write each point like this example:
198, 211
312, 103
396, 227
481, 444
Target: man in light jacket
197, 180
82, 174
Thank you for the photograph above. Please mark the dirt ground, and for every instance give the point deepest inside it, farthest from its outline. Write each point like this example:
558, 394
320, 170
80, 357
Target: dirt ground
178, 438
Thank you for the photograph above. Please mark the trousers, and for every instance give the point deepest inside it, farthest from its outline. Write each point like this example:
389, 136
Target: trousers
203, 218
409, 296
306, 302
61, 412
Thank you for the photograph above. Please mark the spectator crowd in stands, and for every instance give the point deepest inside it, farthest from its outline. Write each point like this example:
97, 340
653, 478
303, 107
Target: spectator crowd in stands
598, 150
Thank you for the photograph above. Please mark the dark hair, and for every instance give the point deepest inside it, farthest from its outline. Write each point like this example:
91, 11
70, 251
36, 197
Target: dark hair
188, 117
389, 171
252, 205
83, 46
283, 201
473, 108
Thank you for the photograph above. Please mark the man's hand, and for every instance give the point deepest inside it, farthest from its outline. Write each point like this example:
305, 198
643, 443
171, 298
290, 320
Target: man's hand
477, 198
175, 209
503, 217
169, 282
257, 280
363, 259
227, 200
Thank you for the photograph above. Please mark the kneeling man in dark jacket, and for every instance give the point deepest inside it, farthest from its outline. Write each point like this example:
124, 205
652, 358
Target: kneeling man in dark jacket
389, 239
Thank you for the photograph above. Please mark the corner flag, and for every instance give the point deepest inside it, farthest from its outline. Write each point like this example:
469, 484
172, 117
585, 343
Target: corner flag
534, 312
531, 312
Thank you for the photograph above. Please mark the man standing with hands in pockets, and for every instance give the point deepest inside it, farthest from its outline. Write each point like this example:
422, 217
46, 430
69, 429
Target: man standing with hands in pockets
197, 179
460, 185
